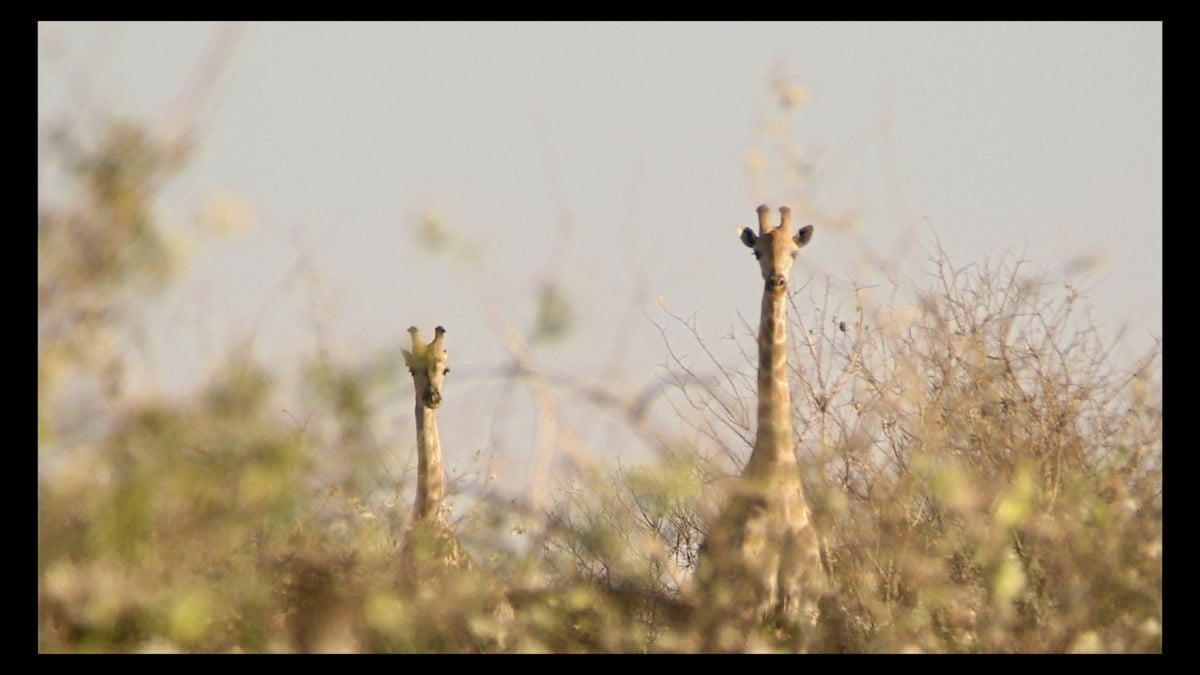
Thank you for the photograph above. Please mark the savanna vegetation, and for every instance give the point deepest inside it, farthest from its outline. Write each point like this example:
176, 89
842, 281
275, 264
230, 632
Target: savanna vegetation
985, 472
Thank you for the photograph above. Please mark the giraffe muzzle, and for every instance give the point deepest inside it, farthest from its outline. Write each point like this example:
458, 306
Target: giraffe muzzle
776, 283
432, 398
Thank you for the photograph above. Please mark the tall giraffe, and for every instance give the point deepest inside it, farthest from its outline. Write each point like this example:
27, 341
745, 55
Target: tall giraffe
431, 553
761, 560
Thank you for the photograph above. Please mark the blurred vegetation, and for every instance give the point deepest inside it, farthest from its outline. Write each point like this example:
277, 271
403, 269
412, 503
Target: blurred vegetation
986, 477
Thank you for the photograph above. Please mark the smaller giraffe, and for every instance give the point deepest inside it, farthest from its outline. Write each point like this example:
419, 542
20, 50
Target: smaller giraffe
427, 364
429, 535
431, 553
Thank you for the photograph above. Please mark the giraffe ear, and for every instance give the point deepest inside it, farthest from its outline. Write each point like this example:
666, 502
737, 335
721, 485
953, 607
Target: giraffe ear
803, 235
748, 237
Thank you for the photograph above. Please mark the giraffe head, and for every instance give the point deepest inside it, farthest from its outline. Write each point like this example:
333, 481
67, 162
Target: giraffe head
776, 247
427, 363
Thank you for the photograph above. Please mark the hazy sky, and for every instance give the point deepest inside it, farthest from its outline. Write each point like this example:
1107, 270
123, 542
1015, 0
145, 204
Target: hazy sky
619, 159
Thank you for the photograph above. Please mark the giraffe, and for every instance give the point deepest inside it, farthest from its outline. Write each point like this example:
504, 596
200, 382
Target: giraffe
761, 559
428, 527
431, 553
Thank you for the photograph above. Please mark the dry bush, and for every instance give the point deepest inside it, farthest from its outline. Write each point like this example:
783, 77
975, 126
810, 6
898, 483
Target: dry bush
998, 478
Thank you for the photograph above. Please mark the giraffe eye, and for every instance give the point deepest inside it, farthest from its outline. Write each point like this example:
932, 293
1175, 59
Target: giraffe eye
446, 371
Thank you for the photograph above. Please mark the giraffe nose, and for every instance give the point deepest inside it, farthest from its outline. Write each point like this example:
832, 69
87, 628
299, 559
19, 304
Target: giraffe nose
776, 281
433, 398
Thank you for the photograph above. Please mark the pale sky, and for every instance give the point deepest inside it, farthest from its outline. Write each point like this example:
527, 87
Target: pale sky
636, 140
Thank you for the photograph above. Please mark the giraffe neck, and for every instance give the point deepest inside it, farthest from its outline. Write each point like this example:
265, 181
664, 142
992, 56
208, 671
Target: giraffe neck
431, 480
773, 439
